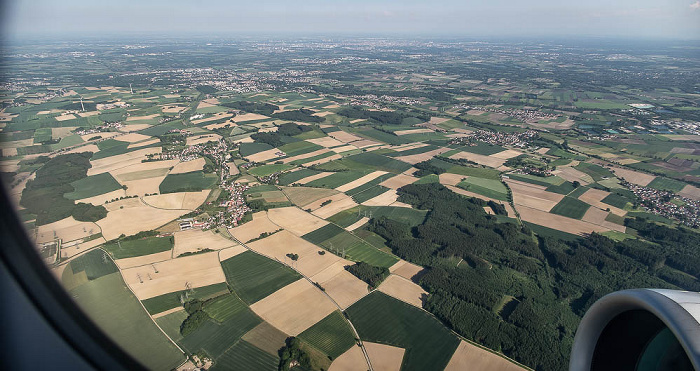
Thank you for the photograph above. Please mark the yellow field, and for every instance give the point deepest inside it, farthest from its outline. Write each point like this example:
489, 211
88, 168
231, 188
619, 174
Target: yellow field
188, 166
313, 177
385, 199
479, 159
561, 223
195, 240
451, 179
341, 285
357, 224
120, 161
295, 307
201, 139
264, 155
633, 177
302, 196
414, 159
340, 202
326, 142
533, 196
405, 269
67, 229
230, 252
384, 357
253, 229
471, 357
133, 137
177, 201
174, 275
403, 289
352, 360
361, 181
344, 136
133, 218
398, 181
144, 260
295, 220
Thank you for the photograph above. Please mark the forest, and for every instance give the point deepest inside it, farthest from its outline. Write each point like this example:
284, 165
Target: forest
526, 293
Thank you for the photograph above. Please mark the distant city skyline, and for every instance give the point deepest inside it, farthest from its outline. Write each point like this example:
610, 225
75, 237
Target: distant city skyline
679, 19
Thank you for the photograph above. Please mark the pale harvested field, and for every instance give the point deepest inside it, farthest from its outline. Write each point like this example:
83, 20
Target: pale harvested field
232, 168
479, 159
385, 357
398, 181
65, 117
120, 161
414, 159
305, 195
313, 177
365, 143
133, 137
230, 252
101, 199
73, 250
61, 132
361, 181
532, 195
403, 289
254, 228
691, 192
122, 176
597, 216
357, 224
559, 222
141, 187
471, 357
326, 142
634, 177
249, 117
282, 243
687, 137
405, 269
451, 179
8, 152
507, 154
345, 148
543, 150
144, 260
385, 199
143, 144
205, 104
295, 307
305, 155
174, 275
188, 166
343, 287
244, 140
412, 131
134, 127
67, 229
12, 166
264, 155
340, 202
344, 136
352, 360
219, 125
295, 220
194, 240
571, 174
324, 160
173, 109
134, 218
201, 139
88, 148
594, 196
165, 313
438, 120
273, 196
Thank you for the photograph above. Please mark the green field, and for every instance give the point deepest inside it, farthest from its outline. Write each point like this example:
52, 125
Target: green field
570, 207
224, 307
93, 185
595, 171
89, 266
483, 149
291, 177
382, 136
244, 356
335, 239
140, 247
187, 182
369, 160
253, 277
563, 189
543, 181
109, 304
382, 319
265, 170
170, 323
215, 338
332, 335
372, 183
616, 200
486, 187
322, 234
550, 232
337, 179
666, 184
171, 300
42, 135
299, 148
247, 149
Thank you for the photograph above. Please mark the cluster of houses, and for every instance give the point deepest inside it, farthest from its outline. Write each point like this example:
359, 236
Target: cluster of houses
667, 204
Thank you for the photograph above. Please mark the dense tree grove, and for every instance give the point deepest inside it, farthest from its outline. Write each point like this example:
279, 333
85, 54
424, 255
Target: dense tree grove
382, 117
498, 284
253, 107
427, 168
43, 196
275, 138
368, 273
292, 354
303, 115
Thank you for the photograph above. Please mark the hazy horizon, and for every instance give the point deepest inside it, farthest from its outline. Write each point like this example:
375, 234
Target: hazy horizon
646, 19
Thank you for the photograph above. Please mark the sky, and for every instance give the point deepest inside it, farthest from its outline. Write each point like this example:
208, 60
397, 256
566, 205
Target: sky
675, 19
